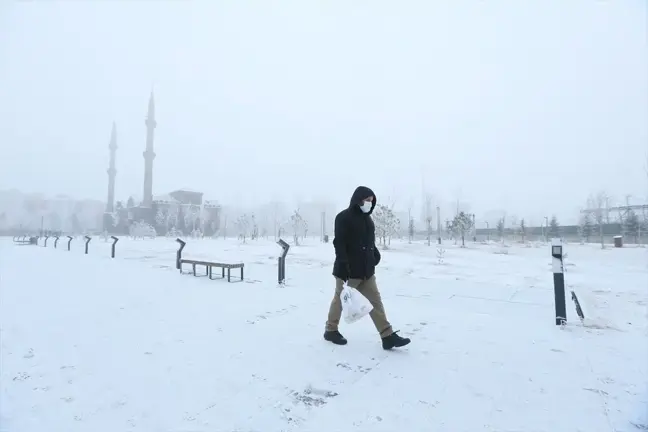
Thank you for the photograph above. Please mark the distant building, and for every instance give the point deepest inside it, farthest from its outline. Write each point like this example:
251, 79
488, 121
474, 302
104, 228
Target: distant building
187, 197
182, 209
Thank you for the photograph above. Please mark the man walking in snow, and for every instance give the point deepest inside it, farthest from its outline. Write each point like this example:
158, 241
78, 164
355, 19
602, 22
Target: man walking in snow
356, 257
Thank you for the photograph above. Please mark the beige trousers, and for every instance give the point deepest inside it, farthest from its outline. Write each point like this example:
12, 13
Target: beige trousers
369, 289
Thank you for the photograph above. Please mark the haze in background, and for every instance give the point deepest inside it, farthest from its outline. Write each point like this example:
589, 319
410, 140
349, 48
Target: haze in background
523, 106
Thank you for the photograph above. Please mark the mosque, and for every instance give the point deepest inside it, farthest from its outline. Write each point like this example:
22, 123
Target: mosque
183, 210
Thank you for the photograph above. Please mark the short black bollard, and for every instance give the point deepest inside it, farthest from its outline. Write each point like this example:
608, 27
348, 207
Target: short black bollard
88, 238
69, 241
56, 239
112, 248
559, 281
45, 244
179, 253
282, 261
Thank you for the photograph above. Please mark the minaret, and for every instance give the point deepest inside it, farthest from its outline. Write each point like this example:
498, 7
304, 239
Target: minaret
149, 154
110, 205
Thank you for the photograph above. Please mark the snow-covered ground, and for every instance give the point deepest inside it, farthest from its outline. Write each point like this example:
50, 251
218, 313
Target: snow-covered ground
95, 344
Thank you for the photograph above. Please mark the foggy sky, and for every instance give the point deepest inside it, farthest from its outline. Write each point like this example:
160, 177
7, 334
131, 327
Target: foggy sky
522, 106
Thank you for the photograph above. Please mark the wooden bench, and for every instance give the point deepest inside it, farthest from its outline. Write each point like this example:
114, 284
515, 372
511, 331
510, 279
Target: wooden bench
210, 265
24, 240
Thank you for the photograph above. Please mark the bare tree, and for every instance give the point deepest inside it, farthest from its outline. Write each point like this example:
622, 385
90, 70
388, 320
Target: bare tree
298, 225
243, 226
597, 205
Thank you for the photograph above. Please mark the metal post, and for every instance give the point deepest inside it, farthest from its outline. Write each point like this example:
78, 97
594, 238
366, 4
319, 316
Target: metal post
69, 241
474, 229
112, 247
282, 261
88, 238
56, 239
559, 281
45, 244
179, 252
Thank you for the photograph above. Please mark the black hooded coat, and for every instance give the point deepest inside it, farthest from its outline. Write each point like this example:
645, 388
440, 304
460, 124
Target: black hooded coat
356, 255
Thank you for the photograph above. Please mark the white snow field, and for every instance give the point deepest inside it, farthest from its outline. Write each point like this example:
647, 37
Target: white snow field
96, 344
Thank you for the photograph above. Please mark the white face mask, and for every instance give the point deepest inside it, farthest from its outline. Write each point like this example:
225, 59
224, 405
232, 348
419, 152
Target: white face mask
366, 206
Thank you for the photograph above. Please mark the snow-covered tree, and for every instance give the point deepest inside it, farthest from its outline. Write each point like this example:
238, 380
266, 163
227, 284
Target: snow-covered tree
386, 223
632, 225
141, 229
174, 232
500, 228
410, 229
585, 227
243, 226
255, 229
554, 227
597, 205
160, 217
191, 215
298, 226
461, 224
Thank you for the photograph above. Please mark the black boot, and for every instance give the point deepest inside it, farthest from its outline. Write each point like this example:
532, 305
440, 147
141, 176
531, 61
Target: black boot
394, 341
335, 337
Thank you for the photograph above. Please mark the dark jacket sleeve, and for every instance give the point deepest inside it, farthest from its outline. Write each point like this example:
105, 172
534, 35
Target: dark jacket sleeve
377, 256
340, 240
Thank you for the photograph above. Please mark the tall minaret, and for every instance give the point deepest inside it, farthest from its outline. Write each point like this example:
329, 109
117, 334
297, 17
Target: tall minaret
110, 205
149, 154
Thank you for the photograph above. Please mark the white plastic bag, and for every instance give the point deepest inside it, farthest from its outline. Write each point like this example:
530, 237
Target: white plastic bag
354, 305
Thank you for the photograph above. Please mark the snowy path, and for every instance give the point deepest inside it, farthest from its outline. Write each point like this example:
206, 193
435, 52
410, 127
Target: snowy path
90, 343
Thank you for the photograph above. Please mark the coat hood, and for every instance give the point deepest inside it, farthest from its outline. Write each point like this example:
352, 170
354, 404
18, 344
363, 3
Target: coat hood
359, 195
